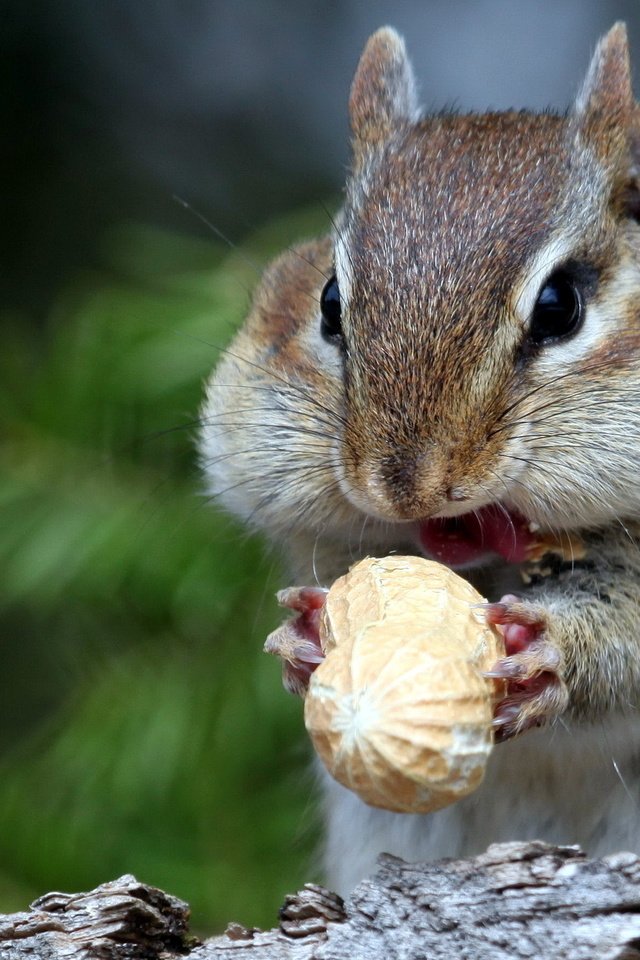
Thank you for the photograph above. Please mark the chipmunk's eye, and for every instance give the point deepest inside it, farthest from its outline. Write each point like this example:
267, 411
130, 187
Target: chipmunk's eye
559, 309
331, 308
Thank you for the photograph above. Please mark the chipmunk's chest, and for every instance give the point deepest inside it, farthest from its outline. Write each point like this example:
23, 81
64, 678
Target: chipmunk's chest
566, 785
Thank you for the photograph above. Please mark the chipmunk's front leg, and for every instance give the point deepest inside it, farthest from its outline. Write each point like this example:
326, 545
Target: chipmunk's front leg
297, 641
572, 642
534, 666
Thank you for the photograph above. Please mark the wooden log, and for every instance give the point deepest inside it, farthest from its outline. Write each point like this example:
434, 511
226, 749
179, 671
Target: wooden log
516, 900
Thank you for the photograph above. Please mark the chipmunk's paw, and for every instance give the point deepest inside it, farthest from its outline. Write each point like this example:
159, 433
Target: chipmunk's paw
531, 669
297, 641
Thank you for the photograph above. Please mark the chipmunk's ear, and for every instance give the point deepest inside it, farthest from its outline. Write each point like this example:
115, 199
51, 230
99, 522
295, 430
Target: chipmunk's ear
383, 94
605, 109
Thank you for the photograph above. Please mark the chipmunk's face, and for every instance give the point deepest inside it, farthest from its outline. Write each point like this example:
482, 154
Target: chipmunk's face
458, 362
476, 291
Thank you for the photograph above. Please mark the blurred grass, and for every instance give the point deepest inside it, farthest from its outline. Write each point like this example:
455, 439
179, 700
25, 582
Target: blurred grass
141, 727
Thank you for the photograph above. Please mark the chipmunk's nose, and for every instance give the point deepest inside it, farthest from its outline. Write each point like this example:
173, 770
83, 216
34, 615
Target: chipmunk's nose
399, 473
405, 485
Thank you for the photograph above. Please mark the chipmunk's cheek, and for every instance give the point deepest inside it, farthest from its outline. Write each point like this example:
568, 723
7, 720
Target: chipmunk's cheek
532, 669
466, 539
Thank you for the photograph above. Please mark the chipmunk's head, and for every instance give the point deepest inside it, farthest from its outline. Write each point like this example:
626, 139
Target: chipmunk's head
486, 269
467, 344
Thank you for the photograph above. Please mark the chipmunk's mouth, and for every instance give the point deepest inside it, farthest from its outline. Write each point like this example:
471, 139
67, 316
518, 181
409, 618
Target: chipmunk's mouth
471, 537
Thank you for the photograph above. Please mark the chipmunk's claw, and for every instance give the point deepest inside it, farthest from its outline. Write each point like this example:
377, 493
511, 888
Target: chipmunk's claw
297, 641
302, 599
531, 669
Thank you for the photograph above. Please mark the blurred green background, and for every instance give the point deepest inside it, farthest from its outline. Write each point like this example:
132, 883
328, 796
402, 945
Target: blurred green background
141, 727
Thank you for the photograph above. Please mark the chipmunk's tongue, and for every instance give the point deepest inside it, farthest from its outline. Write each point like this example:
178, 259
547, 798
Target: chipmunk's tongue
460, 540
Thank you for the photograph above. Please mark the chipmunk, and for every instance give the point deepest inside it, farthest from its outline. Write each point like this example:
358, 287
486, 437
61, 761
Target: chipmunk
455, 371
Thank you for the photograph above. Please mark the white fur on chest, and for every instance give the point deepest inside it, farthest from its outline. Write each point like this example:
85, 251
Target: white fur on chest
565, 786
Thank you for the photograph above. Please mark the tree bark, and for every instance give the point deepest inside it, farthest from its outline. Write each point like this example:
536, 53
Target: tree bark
517, 900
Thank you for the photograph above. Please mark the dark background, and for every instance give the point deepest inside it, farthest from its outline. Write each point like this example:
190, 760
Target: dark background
141, 727
113, 107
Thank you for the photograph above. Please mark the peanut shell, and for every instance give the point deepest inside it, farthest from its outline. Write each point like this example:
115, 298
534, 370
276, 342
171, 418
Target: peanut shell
399, 711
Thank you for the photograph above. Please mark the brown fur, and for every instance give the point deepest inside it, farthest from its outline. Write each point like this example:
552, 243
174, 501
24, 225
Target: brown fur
439, 402
459, 179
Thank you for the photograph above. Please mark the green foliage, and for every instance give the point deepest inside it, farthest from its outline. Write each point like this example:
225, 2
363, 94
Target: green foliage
142, 729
